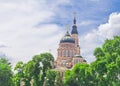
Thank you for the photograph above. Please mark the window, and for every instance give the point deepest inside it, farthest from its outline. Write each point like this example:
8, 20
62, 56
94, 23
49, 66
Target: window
68, 53
64, 53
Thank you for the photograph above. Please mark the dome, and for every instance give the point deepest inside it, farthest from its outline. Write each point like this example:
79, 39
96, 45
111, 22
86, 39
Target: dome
67, 38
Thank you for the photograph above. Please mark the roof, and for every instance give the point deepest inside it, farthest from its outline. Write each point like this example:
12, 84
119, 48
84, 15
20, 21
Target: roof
67, 39
74, 30
78, 56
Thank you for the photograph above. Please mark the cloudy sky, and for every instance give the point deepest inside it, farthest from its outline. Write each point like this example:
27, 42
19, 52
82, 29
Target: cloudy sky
30, 27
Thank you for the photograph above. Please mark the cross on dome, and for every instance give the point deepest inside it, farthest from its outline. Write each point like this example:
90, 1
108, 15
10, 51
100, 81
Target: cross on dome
67, 28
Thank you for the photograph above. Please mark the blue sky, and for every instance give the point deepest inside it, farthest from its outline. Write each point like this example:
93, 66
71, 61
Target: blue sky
30, 27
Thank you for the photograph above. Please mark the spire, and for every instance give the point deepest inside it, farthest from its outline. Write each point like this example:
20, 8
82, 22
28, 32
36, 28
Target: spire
74, 21
74, 27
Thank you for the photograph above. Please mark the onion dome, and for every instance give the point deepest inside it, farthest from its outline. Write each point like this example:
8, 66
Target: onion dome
67, 39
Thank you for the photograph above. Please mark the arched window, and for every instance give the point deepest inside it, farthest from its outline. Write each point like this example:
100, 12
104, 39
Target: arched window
64, 53
68, 53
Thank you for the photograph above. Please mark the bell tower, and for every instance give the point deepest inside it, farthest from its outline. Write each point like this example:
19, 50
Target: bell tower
74, 34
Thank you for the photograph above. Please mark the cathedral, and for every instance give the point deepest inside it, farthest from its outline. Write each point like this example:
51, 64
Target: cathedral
68, 52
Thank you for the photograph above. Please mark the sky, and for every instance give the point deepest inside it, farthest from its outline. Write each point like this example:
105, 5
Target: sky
31, 27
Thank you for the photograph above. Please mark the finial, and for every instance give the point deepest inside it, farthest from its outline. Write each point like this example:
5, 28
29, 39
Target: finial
67, 28
74, 21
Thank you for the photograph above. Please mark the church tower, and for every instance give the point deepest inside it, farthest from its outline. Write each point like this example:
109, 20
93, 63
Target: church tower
74, 34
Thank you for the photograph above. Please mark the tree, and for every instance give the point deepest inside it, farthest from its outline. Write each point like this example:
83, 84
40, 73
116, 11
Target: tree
80, 75
46, 61
5, 73
58, 80
29, 71
42, 65
34, 71
107, 65
19, 76
50, 78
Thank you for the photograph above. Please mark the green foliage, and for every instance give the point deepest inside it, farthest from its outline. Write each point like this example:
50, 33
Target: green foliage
98, 53
5, 73
50, 78
34, 71
107, 64
19, 75
58, 80
80, 75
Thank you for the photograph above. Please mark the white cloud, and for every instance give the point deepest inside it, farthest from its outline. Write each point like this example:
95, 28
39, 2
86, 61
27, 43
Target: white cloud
26, 30
96, 37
